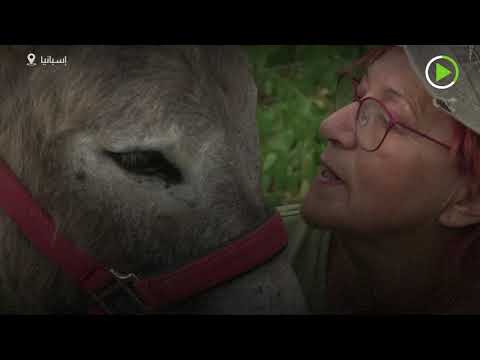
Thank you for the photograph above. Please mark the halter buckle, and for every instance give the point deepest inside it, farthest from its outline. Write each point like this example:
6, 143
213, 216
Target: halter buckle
119, 295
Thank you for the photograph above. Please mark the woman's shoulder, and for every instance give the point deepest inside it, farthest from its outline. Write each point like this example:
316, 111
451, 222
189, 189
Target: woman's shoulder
298, 230
295, 226
300, 234
307, 254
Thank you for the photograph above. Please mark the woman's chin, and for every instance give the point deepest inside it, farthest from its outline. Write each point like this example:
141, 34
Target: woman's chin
313, 213
322, 213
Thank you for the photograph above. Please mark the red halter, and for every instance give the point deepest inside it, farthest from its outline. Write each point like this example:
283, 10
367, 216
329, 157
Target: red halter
107, 286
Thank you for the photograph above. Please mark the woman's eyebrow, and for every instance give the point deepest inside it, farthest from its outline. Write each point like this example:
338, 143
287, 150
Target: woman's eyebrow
396, 94
399, 95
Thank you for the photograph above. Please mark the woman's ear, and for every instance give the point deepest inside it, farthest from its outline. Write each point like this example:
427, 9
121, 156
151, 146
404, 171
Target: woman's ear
463, 210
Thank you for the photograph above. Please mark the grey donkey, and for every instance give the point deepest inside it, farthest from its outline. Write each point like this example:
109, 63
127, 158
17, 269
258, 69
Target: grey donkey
147, 158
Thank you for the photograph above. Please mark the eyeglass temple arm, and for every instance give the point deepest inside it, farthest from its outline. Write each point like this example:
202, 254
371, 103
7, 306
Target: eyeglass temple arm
424, 135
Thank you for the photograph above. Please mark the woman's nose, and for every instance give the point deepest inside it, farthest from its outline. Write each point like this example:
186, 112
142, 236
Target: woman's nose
339, 127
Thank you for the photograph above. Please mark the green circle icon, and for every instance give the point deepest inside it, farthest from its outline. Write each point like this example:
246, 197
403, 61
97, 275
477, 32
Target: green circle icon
454, 63
441, 71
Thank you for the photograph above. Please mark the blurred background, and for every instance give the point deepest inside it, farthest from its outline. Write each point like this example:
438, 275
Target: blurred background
296, 87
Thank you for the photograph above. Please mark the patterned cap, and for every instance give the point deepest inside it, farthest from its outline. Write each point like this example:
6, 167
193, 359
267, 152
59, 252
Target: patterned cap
462, 99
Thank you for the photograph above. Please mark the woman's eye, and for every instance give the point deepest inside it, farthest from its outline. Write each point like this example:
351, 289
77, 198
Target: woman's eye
147, 163
363, 120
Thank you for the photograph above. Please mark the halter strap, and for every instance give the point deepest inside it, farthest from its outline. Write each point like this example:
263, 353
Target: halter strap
238, 257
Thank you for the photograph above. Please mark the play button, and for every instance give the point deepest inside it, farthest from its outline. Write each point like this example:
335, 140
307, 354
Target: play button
445, 72
441, 72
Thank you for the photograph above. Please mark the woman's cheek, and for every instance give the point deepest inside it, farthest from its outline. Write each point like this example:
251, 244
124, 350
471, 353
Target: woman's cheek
386, 192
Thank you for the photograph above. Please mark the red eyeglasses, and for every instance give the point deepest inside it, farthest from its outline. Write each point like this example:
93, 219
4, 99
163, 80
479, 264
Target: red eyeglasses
373, 121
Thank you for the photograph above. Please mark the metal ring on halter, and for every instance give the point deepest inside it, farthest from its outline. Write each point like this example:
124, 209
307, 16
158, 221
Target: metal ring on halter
119, 291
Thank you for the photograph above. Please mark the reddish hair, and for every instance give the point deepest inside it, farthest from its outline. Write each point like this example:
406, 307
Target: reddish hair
466, 147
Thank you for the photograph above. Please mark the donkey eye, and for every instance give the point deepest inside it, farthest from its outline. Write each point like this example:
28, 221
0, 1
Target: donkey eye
147, 163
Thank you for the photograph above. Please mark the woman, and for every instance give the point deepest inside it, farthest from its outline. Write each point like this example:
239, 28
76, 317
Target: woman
394, 213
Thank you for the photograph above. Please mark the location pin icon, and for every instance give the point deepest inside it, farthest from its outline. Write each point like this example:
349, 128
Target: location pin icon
31, 58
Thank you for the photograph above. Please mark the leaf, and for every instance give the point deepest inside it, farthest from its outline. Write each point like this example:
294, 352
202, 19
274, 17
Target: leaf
266, 183
268, 87
304, 188
269, 161
282, 141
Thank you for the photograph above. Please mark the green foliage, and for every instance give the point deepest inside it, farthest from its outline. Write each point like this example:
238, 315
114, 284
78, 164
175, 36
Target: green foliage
296, 86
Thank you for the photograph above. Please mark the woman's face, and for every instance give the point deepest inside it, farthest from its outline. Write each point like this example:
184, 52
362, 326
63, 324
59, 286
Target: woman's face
407, 181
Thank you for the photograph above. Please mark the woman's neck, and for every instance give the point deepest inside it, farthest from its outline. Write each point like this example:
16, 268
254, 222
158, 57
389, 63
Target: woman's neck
396, 274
